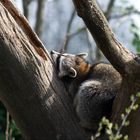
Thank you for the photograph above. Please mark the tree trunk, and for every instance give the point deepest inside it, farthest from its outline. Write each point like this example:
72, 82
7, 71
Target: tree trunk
29, 87
126, 63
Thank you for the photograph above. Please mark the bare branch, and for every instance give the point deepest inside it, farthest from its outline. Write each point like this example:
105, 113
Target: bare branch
70, 36
77, 32
104, 37
109, 9
26, 4
7, 125
67, 37
126, 14
39, 17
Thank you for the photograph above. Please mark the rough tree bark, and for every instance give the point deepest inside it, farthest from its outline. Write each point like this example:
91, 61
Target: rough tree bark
126, 63
30, 90
39, 17
29, 87
26, 4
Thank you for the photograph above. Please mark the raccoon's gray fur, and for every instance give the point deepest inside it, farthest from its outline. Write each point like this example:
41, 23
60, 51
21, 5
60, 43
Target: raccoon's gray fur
93, 87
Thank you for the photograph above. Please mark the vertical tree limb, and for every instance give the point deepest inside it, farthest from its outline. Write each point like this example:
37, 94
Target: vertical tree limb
39, 17
67, 37
26, 4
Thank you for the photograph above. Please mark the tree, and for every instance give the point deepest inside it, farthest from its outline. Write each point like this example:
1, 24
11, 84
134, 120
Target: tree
126, 63
30, 89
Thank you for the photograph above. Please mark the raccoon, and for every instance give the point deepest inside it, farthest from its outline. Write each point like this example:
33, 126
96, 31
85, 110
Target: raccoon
92, 87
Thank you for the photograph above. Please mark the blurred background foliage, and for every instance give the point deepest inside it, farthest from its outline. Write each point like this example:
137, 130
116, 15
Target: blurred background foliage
58, 26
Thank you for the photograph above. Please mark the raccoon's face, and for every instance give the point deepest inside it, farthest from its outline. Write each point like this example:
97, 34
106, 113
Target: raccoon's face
68, 64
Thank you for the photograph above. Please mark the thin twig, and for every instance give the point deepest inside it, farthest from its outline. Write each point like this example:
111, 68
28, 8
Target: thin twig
109, 9
39, 17
77, 32
67, 37
124, 119
126, 14
7, 125
26, 4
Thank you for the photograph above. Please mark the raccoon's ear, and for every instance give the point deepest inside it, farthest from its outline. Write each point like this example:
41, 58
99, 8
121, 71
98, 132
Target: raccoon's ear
54, 52
72, 72
83, 55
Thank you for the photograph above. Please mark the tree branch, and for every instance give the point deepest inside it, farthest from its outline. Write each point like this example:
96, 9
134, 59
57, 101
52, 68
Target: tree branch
25, 4
67, 37
125, 14
39, 17
109, 9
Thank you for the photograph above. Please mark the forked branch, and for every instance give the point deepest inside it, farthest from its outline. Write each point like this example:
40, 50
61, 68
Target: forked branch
97, 24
